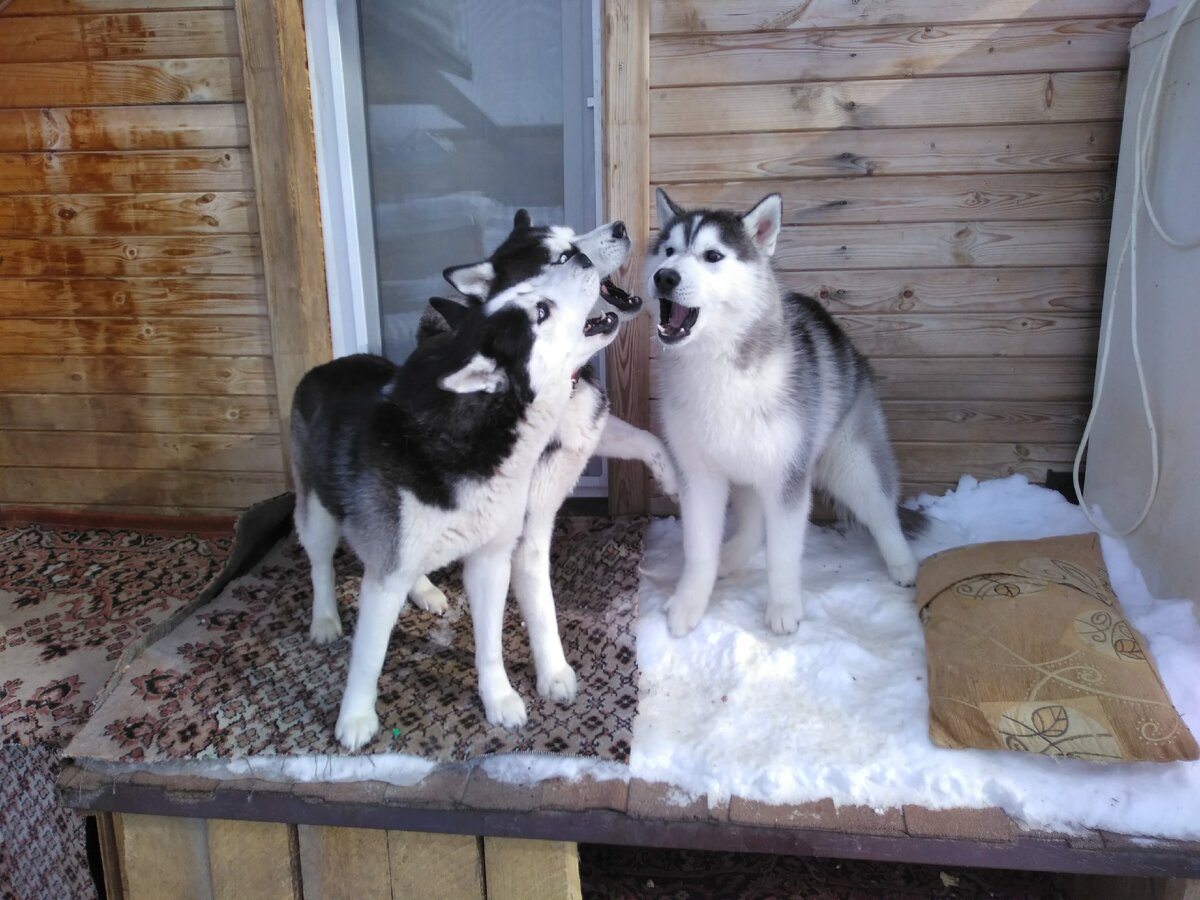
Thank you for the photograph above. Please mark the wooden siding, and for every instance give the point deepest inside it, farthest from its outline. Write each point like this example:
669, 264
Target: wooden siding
136, 353
947, 173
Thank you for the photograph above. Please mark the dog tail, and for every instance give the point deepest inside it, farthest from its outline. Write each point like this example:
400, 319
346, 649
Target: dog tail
913, 522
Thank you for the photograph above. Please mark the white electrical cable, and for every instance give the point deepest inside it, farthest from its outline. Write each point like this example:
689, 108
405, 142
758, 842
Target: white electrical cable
1145, 134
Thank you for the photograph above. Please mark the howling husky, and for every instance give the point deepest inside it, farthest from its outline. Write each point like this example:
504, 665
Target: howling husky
764, 397
429, 462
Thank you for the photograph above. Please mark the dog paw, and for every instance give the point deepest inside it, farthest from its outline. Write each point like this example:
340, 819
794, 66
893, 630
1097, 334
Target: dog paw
905, 573
783, 618
325, 630
683, 616
429, 598
734, 558
558, 685
506, 710
664, 474
353, 730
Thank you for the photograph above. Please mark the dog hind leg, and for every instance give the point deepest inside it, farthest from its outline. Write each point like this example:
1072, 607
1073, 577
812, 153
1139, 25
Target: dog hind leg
786, 519
748, 531
702, 508
319, 533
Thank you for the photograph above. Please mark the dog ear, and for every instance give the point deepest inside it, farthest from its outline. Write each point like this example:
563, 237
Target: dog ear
522, 220
668, 209
450, 310
480, 374
471, 281
762, 223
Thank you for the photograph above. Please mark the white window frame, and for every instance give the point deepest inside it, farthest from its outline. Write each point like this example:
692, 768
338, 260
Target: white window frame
339, 125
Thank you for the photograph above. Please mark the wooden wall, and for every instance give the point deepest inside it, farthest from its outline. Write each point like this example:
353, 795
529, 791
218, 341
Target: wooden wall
947, 172
135, 350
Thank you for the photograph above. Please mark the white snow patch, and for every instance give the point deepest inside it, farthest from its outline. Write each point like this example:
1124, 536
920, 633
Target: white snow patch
839, 709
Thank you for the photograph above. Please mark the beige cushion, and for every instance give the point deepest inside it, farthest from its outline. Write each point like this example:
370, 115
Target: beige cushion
1028, 649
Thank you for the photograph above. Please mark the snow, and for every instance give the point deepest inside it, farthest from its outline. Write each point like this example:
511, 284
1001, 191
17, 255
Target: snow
839, 710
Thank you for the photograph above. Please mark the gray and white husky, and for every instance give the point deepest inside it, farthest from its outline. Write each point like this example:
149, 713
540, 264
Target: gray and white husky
764, 398
429, 462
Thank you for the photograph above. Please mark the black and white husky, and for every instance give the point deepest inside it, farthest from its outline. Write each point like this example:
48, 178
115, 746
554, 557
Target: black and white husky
764, 397
429, 462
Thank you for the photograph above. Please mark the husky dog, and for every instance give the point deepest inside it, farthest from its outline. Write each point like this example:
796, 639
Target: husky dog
429, 462
586, 427
764, 397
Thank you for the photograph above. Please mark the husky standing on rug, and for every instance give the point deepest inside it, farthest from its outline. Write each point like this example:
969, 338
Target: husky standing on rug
429, 462
762, 396
587, 427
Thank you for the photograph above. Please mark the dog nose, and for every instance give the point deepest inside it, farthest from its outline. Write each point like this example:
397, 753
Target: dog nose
666, 280
618, 230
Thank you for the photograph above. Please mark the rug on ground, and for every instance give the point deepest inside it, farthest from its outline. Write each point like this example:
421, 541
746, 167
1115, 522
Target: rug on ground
239, 678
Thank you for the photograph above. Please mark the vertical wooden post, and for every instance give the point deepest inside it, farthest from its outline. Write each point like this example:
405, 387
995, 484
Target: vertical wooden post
166, 858
625, 45
279, 111
519, 869
253, 859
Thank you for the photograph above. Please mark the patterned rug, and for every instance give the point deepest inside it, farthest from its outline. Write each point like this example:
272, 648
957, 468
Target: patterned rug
240, 678
73, 603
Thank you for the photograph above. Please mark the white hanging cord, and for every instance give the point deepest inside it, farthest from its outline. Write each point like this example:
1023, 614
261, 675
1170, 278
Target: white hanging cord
1145, 138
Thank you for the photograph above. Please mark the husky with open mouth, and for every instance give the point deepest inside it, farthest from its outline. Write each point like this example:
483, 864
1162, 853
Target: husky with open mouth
763, 398
585, 429
429, 462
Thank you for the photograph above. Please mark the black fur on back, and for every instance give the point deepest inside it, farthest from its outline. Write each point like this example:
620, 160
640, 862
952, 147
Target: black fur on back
362, 425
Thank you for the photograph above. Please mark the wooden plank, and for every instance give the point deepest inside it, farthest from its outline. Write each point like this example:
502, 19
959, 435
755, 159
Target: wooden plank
1040, 422
150, 841
672, 16
285, 175
947, 462
435, 866
140, 487
107, 257
975, 379
74, 7
108, 83
213, 375
123, 450
110, 857
993, 378
152, 413
934, 198
625, 44
252, 859
890, 51
518, 869
225, 295
184, 33
1087, 147
125, 127
1009, 290
105, 173
210, 212
934, 244
344, 863
889, 103
178, 336
967, 335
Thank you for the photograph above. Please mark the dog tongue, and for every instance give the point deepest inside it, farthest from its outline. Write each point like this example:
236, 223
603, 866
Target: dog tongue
679, 315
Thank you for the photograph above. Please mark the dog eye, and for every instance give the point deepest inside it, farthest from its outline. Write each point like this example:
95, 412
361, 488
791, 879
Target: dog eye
543, 311
564, 256
670, 251
714, 256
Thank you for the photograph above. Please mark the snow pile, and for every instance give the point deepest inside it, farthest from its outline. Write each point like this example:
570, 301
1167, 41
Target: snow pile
839, 709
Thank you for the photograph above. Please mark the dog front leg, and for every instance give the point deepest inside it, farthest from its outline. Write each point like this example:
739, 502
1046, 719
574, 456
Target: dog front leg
787, 513
379, 603
620, 440
485, 576
702, 507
